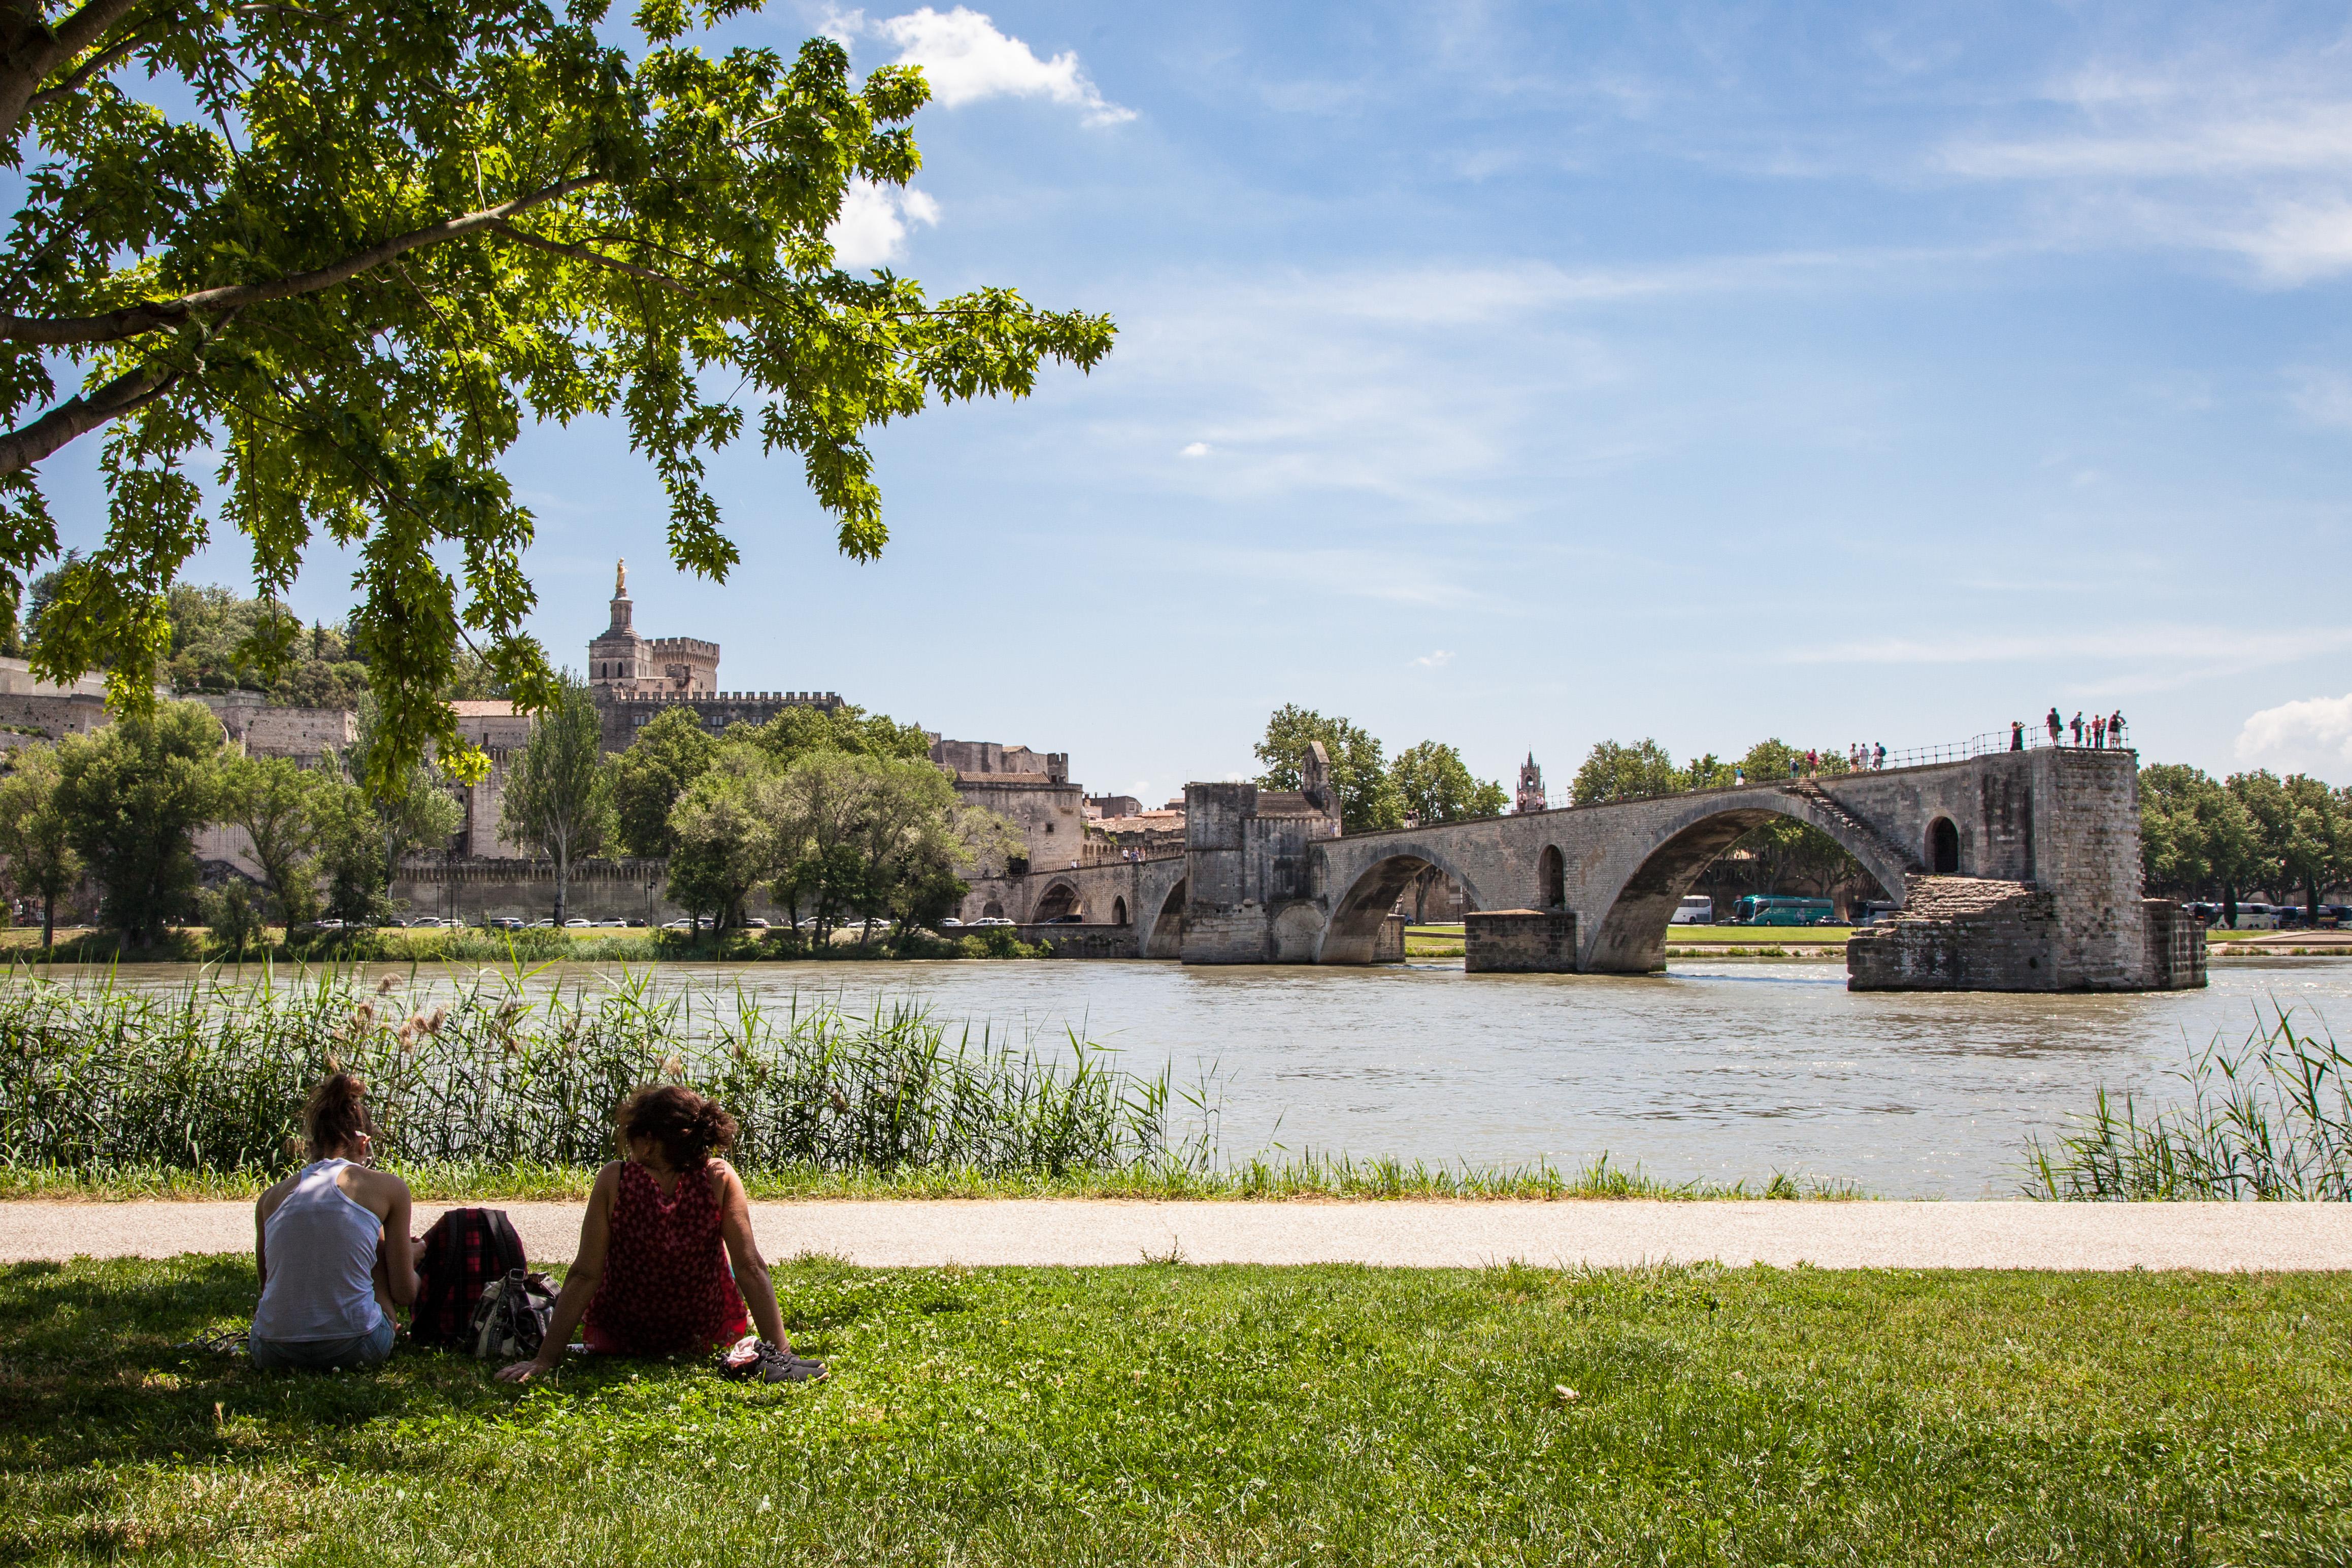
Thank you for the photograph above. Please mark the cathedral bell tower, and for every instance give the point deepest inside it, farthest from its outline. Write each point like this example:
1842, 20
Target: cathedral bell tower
1531, 790
617, 659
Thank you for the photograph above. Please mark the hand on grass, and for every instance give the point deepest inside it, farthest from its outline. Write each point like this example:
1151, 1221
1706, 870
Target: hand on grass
522, 1371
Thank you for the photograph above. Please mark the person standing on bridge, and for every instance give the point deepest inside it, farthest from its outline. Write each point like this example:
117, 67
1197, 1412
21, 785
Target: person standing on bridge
2098, 732
2056, 726
2017, 734
2115, 727
2075, 726
1879, 761
1738, 776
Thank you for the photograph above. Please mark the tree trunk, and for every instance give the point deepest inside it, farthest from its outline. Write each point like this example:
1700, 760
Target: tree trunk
48, 920
2311, 900
563, 885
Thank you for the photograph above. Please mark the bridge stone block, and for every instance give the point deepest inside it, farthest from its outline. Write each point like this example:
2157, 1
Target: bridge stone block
1519, 942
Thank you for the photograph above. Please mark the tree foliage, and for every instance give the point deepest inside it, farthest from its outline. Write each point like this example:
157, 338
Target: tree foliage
559, 795
1368, 796
36, 838
275, 800
662, 762
1614, 771
355, 250
133, 795
1433, 784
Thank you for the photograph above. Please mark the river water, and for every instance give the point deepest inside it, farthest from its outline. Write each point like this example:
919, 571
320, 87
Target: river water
1716, 1070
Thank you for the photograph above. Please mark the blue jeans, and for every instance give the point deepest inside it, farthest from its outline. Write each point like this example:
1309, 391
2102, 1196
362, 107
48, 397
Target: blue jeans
317, 1354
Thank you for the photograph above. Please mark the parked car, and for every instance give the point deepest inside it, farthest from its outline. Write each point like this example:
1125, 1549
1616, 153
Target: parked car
1063, 920
504, 922
949, 922
681, 924
993, 920
753, 923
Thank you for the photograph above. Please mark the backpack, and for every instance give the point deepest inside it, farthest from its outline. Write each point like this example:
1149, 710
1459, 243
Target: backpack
510, 1320
465, 1252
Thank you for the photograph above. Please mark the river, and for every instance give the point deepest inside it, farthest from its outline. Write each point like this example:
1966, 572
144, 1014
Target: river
1716, 1070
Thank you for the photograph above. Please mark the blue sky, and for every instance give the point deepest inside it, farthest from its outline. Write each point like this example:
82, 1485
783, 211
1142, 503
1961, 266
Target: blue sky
1520, 377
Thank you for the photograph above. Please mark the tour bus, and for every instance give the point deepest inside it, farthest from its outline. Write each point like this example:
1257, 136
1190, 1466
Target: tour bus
1767, 909
1697, 909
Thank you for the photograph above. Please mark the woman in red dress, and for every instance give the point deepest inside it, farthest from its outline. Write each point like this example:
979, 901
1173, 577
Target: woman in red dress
667, 1264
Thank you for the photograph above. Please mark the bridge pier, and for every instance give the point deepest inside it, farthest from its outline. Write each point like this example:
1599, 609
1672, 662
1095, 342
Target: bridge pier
1519, 942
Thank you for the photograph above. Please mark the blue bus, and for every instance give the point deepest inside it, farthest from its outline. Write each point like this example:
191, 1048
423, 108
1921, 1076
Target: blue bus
1769, 909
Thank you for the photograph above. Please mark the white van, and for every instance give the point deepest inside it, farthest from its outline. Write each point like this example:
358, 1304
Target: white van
1695, 910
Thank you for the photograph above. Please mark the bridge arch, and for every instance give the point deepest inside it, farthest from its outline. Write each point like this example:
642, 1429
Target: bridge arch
1118, 911
1059, 899
1166, 937
1639, 892
1349, 937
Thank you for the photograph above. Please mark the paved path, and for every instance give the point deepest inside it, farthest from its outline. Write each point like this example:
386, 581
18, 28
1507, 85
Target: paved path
907, 1233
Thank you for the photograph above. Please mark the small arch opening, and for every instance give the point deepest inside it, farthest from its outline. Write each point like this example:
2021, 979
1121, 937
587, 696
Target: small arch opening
1943, 847
992, 911
1060, 900
1118, 911
1551, 877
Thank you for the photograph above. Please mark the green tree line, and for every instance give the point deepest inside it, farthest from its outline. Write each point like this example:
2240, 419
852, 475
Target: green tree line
220, 641
840, 814
2219, 839
122, 807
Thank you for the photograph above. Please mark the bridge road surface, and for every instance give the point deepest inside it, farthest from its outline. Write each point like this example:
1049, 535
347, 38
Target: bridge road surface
911, 1233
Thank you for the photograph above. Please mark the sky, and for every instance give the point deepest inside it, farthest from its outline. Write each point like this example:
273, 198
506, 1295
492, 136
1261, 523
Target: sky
1522, 377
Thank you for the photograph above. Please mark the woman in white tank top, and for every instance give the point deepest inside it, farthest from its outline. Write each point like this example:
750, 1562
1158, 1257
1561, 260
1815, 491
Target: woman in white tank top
331, 1245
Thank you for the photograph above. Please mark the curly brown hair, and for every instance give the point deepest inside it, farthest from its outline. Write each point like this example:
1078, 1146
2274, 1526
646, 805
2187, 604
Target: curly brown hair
336, 1114
689, 1128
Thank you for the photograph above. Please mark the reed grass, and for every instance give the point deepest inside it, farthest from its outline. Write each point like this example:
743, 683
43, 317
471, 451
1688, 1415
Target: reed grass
2270, 1118
1256, 1179
112, 1083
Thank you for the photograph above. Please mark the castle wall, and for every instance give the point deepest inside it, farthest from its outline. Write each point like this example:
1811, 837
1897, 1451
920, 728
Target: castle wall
624, 714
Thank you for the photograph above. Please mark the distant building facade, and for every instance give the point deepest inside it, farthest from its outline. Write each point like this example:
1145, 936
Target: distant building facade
636, 679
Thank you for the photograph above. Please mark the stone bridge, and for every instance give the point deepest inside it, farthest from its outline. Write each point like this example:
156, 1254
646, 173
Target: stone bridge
2016, 870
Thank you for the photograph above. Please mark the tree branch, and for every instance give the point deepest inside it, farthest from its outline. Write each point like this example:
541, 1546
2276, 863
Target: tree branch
582, 253
30, 49
102, 60
158, 315
79, 415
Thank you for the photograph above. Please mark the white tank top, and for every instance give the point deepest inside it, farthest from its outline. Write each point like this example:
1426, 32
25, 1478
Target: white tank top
320, 1247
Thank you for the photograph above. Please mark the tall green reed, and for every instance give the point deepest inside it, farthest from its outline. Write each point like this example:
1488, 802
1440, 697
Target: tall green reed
210, 1077
2270, 1118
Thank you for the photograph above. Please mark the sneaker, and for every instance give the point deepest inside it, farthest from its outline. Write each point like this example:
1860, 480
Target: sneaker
755, 1359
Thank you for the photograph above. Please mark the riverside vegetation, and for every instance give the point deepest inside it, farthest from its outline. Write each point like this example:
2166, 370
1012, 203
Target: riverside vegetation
117, 1091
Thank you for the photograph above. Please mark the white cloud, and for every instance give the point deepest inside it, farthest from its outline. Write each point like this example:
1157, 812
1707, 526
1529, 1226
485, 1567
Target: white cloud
872, 227
966, 59
2321, 397
1434, 660
1196, 449
2311, 733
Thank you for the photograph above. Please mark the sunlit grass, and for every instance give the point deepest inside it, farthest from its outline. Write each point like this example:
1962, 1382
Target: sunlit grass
1169, 1413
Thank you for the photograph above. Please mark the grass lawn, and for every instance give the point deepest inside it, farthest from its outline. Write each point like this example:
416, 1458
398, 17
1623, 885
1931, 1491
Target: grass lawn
1171, 1413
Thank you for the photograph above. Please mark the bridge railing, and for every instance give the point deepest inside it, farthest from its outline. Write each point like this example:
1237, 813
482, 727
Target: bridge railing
1991, 741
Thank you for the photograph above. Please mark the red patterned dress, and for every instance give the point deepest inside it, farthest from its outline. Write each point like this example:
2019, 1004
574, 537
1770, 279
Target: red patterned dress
667, 1288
